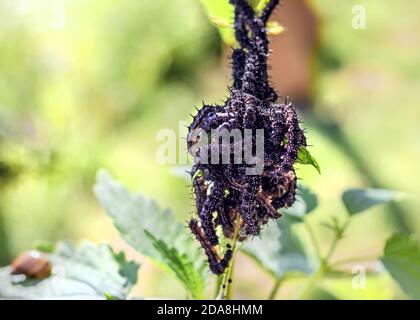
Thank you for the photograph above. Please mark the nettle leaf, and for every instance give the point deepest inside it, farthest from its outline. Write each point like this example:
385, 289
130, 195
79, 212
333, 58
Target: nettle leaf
221, 15
182, 267
278, 250
137, 217
402, 260
88, 272
358, 200
306, 201
305, 157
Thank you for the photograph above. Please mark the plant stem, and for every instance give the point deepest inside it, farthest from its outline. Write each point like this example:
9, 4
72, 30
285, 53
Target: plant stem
218, 285
226, 285
324, 263
313, 239
338, 236
276, 287
312, 281
332, 248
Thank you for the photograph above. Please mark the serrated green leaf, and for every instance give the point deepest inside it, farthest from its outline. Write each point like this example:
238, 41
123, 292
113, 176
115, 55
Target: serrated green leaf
402, 260
219, 10
221, 14
182, 267
136, 216
87, 272
306, 201
358, 200
305, 157
278, 250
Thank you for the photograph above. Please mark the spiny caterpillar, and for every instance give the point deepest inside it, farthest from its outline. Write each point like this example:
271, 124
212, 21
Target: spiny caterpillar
224, 191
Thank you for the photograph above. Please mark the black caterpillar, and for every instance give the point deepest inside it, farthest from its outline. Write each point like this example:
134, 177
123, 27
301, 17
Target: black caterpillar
224, 191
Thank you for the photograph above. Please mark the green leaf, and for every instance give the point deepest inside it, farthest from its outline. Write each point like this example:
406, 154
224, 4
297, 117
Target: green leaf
137, 217
221, 15
402, 260
182, 267
305, 157
259, 4
358, 200
278, 250
88, 272
306, 201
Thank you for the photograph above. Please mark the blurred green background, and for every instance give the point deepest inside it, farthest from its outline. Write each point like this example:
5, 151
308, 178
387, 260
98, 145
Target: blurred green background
87, 84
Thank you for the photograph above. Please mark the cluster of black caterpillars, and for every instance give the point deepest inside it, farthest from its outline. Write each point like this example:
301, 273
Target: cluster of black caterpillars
224, 191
